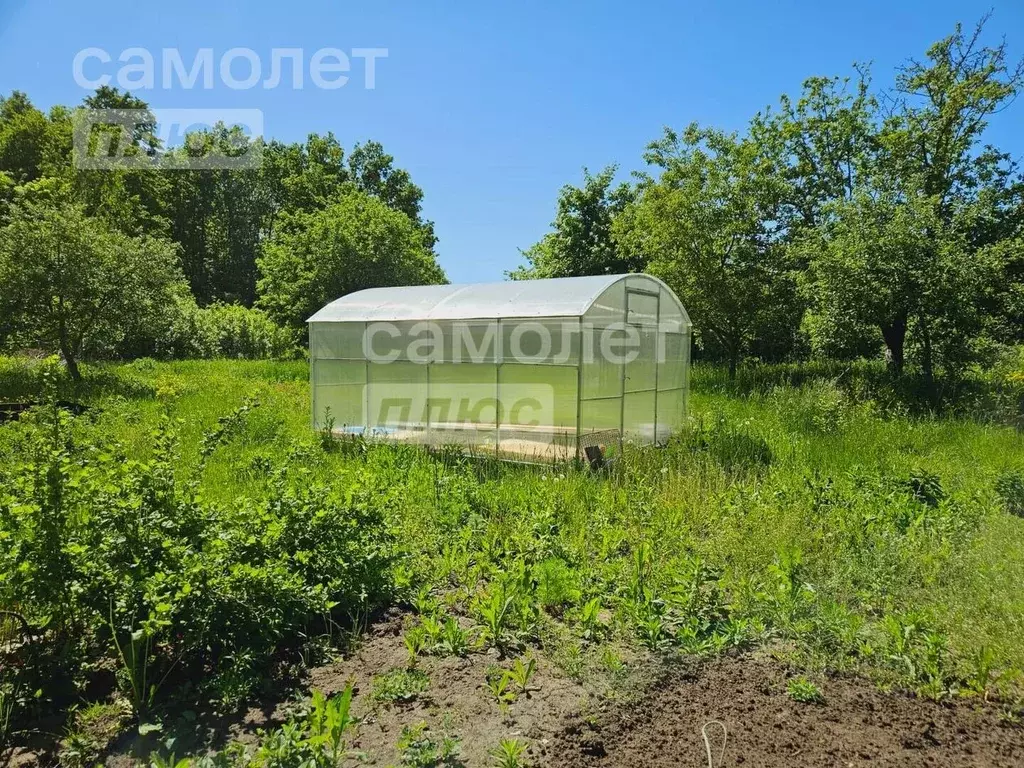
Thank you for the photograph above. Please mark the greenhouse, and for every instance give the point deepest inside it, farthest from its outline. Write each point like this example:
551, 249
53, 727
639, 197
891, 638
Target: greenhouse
536, 370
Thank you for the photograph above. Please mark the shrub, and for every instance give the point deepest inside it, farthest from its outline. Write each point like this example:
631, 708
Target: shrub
222, 330
19, 378
123, 560
925, 487
1010, 488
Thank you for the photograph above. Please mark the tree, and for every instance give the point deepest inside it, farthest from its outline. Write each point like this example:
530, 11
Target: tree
885, 261
223, 218
940, 112
709, 226
67, 280
373, 171
915, 249
357, 242
23, 131
581, 242
220, 217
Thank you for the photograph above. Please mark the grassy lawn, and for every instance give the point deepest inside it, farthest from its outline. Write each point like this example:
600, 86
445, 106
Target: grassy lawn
838, 536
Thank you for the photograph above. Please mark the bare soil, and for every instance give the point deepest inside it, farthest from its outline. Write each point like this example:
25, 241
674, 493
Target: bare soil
856, 725
651, 713
457, 703
567, 723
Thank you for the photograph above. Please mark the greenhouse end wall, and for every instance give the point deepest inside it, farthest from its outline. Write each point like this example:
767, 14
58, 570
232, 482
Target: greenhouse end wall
531, 388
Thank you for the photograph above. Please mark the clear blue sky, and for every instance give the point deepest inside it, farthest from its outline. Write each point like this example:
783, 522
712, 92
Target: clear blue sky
492, 106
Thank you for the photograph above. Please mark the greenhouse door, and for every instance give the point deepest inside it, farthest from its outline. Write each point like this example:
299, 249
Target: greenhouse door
640, 375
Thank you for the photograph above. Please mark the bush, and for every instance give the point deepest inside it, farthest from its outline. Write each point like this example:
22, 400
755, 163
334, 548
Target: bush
223, 330
19, 378
1010, 488
121, 560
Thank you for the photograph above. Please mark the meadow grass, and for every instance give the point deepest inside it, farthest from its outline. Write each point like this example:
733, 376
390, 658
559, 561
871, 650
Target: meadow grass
796, 517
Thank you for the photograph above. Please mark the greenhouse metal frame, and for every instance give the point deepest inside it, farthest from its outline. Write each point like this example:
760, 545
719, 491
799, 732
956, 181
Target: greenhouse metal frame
534, 370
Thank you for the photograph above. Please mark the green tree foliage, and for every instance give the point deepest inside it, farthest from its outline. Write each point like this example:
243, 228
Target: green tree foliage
581, 242
841, 222
825, 137
708, 226
357, 242
879, 264
67, 281
372, 170
219, 218
222, 218
130, 200
919, 245
23, 138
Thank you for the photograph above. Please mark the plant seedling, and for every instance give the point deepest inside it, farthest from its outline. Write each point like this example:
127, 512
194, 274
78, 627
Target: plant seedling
521, 673
509, 754
399, 685
499, 683
419, 749
803, 690
453, 640
415, 643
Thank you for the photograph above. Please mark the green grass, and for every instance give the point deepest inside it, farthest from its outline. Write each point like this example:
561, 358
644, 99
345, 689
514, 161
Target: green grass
838, 530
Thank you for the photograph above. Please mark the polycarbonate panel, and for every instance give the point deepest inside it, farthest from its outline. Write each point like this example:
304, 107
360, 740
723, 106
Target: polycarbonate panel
416, 341
334, 372
641, 371
671, 405
463, 396
463, 405
346, 404
540, 342
397, 396
556, 297
641, 308
338, 341
601, 377
672, 318
539, 408
643, 283
609, 308
672, 368
687, 347
601, 415
638, 416
471, 341
537, 395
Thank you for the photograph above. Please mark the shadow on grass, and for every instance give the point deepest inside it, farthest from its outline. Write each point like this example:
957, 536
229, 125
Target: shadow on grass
22, 381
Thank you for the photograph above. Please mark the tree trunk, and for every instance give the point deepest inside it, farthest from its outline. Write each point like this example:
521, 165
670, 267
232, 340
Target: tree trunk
732, 367
72, 364
928, 364
68, 355
895, 336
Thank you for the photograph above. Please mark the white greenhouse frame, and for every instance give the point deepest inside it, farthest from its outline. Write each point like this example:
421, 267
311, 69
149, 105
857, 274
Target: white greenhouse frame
586, 401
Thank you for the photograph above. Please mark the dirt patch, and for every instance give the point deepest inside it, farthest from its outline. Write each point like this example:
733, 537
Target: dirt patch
652, 715
857, 724
457, 701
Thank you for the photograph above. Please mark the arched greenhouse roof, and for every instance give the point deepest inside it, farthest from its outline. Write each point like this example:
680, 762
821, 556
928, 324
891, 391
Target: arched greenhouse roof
552, 297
